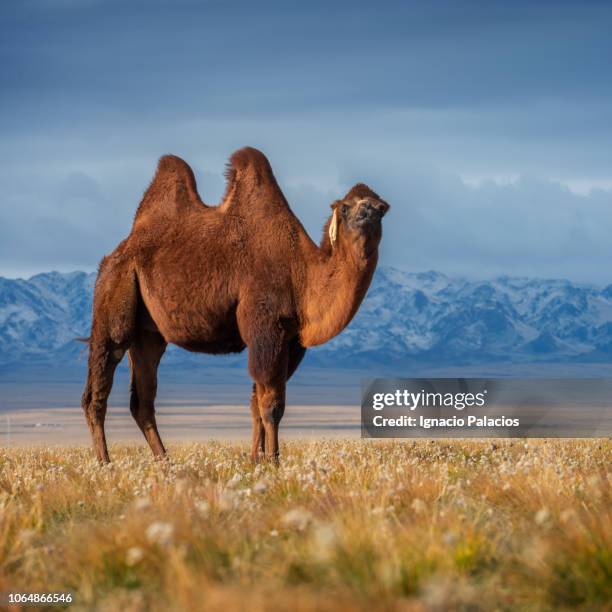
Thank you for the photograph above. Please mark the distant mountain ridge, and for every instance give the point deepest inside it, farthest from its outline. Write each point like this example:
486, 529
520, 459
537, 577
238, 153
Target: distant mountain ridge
41, 316
406, 317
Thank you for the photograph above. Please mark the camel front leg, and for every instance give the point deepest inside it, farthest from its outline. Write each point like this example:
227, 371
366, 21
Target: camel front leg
271, 401
258, 447
268, 366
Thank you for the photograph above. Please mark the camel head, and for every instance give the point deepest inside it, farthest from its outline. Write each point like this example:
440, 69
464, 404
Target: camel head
356, 220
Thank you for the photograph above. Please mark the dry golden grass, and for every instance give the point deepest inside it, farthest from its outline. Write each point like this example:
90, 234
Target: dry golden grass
349, 525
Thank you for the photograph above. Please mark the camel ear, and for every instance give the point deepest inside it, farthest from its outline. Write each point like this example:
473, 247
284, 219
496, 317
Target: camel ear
333, 228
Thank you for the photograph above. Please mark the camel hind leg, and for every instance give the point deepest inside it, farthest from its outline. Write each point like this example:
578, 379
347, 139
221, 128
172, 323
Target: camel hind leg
114, 311
145, 354
103, 359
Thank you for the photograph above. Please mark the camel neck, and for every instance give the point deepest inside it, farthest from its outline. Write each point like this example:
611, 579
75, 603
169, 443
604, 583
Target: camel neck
335, 286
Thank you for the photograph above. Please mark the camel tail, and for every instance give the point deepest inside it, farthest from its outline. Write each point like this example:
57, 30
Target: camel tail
83, 339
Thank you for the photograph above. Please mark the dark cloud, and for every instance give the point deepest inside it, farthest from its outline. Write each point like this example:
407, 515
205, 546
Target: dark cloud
407, 95
529, 227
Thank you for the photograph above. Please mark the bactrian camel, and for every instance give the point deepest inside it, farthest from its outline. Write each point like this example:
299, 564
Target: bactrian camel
219, 279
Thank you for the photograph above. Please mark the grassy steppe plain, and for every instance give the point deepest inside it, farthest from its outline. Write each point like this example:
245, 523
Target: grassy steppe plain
351, 525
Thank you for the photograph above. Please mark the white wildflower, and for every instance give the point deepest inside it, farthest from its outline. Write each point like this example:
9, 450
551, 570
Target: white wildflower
26, 536
227, 501
542, 516
160, 533
234, 481
202, 507
261, 486
567, 516
133, 556
450, 538
298, 518
141, 504
181, 486
324, 541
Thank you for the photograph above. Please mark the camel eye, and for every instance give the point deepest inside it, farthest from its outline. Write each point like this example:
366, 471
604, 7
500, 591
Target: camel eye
344, 209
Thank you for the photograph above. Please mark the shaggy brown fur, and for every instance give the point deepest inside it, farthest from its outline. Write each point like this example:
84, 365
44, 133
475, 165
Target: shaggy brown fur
220, 279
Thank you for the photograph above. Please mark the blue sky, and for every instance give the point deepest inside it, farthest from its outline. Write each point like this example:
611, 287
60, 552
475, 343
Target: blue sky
486, 125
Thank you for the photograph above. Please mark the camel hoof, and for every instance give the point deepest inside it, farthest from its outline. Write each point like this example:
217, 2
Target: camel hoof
273, 460
257, 458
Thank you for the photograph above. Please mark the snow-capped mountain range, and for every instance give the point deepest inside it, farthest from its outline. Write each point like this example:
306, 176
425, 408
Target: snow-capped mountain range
406, 317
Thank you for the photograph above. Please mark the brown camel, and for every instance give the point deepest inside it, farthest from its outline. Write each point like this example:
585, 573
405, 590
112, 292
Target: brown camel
218, 279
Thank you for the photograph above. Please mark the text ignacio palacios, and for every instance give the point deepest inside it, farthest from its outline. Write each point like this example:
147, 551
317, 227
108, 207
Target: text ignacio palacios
423, 399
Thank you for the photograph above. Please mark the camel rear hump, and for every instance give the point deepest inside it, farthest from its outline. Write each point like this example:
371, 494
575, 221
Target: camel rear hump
173, 190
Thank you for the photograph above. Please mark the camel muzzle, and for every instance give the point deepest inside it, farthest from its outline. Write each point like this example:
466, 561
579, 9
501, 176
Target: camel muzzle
368, 213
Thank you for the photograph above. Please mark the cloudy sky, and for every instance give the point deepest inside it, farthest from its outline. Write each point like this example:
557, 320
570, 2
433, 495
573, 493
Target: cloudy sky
486, 125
